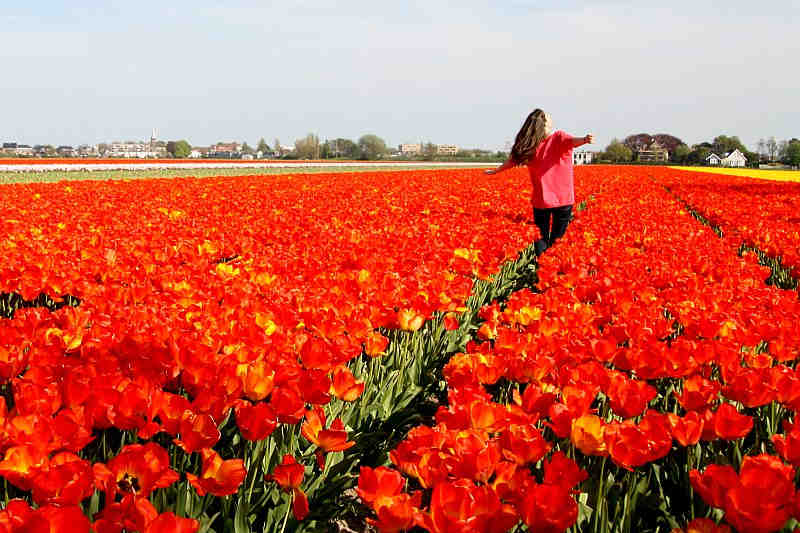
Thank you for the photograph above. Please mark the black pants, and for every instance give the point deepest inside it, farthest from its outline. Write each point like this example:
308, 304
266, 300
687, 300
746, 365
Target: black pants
561, 217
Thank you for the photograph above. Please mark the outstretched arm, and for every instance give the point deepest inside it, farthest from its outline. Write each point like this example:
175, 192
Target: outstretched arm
580, 141
505, 166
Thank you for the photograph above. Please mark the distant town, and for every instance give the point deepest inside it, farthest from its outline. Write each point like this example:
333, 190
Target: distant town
727, 151
309, 147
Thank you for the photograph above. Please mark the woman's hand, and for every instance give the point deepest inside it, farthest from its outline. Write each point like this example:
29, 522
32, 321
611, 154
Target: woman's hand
589, 139
508, 164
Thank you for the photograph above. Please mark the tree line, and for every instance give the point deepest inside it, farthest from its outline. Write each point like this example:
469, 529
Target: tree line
786, 152
368, 146
627, 149
372, 147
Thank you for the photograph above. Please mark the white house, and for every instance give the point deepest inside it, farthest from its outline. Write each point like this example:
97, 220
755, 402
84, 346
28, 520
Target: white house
411, 149
734, 159
582, 157
133, 150
731, 159
86, 150
446, 149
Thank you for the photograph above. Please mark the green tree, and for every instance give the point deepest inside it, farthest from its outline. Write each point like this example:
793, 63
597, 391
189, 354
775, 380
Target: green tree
618, 152
262, 146
638, 141
698, 154
247, 149
723, 145
792, 156
762, 148
308, 147
182, 149
346, 148
670, 142
276, 147
428, 150
772, 148
371, 147
325, 150
680, 153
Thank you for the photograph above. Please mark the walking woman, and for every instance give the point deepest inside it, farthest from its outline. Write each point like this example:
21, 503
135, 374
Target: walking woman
548, 156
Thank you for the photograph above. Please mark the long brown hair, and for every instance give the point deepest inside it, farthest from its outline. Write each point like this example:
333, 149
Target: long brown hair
530, 135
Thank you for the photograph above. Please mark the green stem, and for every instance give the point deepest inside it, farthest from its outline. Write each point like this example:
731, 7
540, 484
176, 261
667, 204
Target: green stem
773, 416
737, 454
689, 465
288, 510
600, 498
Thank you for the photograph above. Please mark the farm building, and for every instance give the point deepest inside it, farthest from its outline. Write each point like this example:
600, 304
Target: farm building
653, 152
582, 157
446, 149
413, 149
731, 159
734, 159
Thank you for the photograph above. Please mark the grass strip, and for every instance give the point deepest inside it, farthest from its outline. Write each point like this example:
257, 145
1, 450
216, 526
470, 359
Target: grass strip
11, 301
51, 176
781, 276
696, 214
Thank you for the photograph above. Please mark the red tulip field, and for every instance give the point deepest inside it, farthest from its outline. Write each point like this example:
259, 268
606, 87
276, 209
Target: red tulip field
383, 351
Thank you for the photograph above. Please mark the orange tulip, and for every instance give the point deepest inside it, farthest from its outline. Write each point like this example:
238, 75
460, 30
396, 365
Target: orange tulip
588, 435
729, 424
379, 486
687, 430
703, 525
20, 463
410, 319
258, 380
330, 440
289, 474
344, 386
137, 470
196, 432
375, 344
170, 523
256, 422
219, 477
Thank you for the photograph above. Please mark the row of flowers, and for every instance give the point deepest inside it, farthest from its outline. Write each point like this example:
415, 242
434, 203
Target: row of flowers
757, 213
648, 384
229, 343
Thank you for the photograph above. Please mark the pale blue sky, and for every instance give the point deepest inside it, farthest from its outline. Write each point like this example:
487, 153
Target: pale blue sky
106, 70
